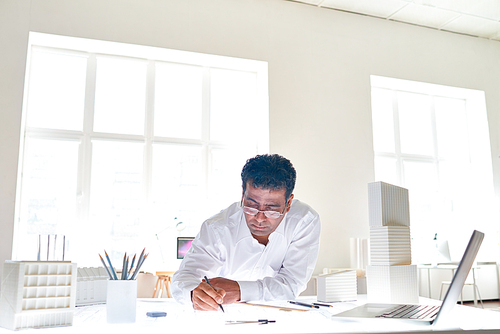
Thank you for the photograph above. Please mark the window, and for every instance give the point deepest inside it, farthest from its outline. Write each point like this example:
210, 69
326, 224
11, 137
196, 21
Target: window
127, 147
434, 141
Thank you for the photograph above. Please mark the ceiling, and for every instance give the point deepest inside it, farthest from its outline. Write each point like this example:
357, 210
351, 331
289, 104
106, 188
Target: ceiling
479, 18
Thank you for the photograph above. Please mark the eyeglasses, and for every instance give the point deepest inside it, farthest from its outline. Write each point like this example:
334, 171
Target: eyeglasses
268, 214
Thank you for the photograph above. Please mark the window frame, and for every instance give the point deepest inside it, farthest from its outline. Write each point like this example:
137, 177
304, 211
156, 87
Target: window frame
151, 55
474, 101
480, 162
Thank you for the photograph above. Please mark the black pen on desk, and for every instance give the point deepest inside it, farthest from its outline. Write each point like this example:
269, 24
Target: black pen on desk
208, 282
320, 304
303, 304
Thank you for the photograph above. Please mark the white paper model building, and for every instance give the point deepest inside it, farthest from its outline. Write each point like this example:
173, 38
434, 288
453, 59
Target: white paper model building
390, 277
390, 245
37, 294
337, 286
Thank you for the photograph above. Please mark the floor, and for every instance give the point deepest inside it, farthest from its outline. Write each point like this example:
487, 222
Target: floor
493, 305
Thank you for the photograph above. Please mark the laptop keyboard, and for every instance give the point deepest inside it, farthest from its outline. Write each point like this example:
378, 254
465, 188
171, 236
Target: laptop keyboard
412, 312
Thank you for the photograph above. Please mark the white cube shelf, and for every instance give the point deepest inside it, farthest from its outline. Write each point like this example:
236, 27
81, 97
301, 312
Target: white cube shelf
37, 294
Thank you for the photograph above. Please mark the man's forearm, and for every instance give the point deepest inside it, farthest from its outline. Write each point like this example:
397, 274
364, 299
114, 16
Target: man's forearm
270, 288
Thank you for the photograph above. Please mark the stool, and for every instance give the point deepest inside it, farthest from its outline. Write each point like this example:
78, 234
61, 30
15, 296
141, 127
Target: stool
163, 283
474, 286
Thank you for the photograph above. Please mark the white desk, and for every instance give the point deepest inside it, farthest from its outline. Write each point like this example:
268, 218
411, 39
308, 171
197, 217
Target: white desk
440, 266
488, 282
180, 319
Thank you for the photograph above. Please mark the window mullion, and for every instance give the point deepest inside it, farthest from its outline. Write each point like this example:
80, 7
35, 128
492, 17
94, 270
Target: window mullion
149, 133
397, 137
85, 161
435, 139
205, 128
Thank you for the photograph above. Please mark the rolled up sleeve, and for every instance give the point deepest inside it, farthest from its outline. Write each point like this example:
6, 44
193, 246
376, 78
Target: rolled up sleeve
203, 258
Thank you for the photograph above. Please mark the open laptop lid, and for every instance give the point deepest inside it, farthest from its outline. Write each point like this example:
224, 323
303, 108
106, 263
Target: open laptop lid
458, 280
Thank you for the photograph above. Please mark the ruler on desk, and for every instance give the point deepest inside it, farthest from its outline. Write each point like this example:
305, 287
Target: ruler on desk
272, 306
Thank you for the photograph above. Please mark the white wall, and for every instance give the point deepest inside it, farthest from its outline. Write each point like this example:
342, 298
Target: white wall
320, 61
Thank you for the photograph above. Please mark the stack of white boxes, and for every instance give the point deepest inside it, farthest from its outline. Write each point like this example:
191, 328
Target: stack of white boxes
390, 276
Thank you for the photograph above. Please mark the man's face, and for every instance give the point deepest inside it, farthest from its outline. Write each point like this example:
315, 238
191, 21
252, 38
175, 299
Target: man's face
264, 200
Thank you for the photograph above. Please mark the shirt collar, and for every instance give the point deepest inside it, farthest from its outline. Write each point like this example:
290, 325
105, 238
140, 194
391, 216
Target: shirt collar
244, 232
280, 230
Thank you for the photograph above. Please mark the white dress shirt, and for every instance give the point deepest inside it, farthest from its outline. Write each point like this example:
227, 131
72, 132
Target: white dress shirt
225, 248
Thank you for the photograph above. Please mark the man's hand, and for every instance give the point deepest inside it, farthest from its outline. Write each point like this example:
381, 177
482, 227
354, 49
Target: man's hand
205, 298
231, 289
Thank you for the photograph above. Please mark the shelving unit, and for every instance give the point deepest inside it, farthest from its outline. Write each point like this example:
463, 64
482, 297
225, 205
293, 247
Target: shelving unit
91, 286
37, 294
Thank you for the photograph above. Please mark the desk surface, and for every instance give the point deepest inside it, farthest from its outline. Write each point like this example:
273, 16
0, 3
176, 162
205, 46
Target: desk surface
92, 319
450, 265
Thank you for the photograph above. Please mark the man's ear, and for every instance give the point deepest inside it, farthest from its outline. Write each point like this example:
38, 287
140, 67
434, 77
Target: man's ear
289, 203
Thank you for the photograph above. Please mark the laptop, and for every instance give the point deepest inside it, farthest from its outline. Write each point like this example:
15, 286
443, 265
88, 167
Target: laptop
424, 314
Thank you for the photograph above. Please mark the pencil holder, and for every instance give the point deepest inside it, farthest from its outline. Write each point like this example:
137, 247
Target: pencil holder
121, 301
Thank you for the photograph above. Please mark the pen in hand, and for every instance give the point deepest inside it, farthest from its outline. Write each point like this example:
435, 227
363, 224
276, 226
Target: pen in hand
208, 282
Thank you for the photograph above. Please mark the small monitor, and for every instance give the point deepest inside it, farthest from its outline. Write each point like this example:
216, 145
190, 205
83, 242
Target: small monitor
443, 252
183, 245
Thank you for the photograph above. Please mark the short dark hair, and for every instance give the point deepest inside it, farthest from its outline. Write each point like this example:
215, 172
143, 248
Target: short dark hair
269, 171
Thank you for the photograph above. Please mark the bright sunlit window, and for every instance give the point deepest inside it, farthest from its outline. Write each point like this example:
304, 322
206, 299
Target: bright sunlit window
126, 146
434, 141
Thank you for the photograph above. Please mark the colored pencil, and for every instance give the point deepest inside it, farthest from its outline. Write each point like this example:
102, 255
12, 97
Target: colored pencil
128, 272
131, 266
123, 267
105, 267
110, 265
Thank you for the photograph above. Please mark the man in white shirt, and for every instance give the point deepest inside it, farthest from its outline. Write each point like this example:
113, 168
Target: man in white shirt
263, 248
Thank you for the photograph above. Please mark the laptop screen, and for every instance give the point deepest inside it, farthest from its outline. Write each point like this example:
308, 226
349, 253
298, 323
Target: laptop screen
458, 280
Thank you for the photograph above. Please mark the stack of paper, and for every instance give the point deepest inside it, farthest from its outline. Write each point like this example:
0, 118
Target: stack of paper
390, 276
392, 284
337, 286
390, 245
